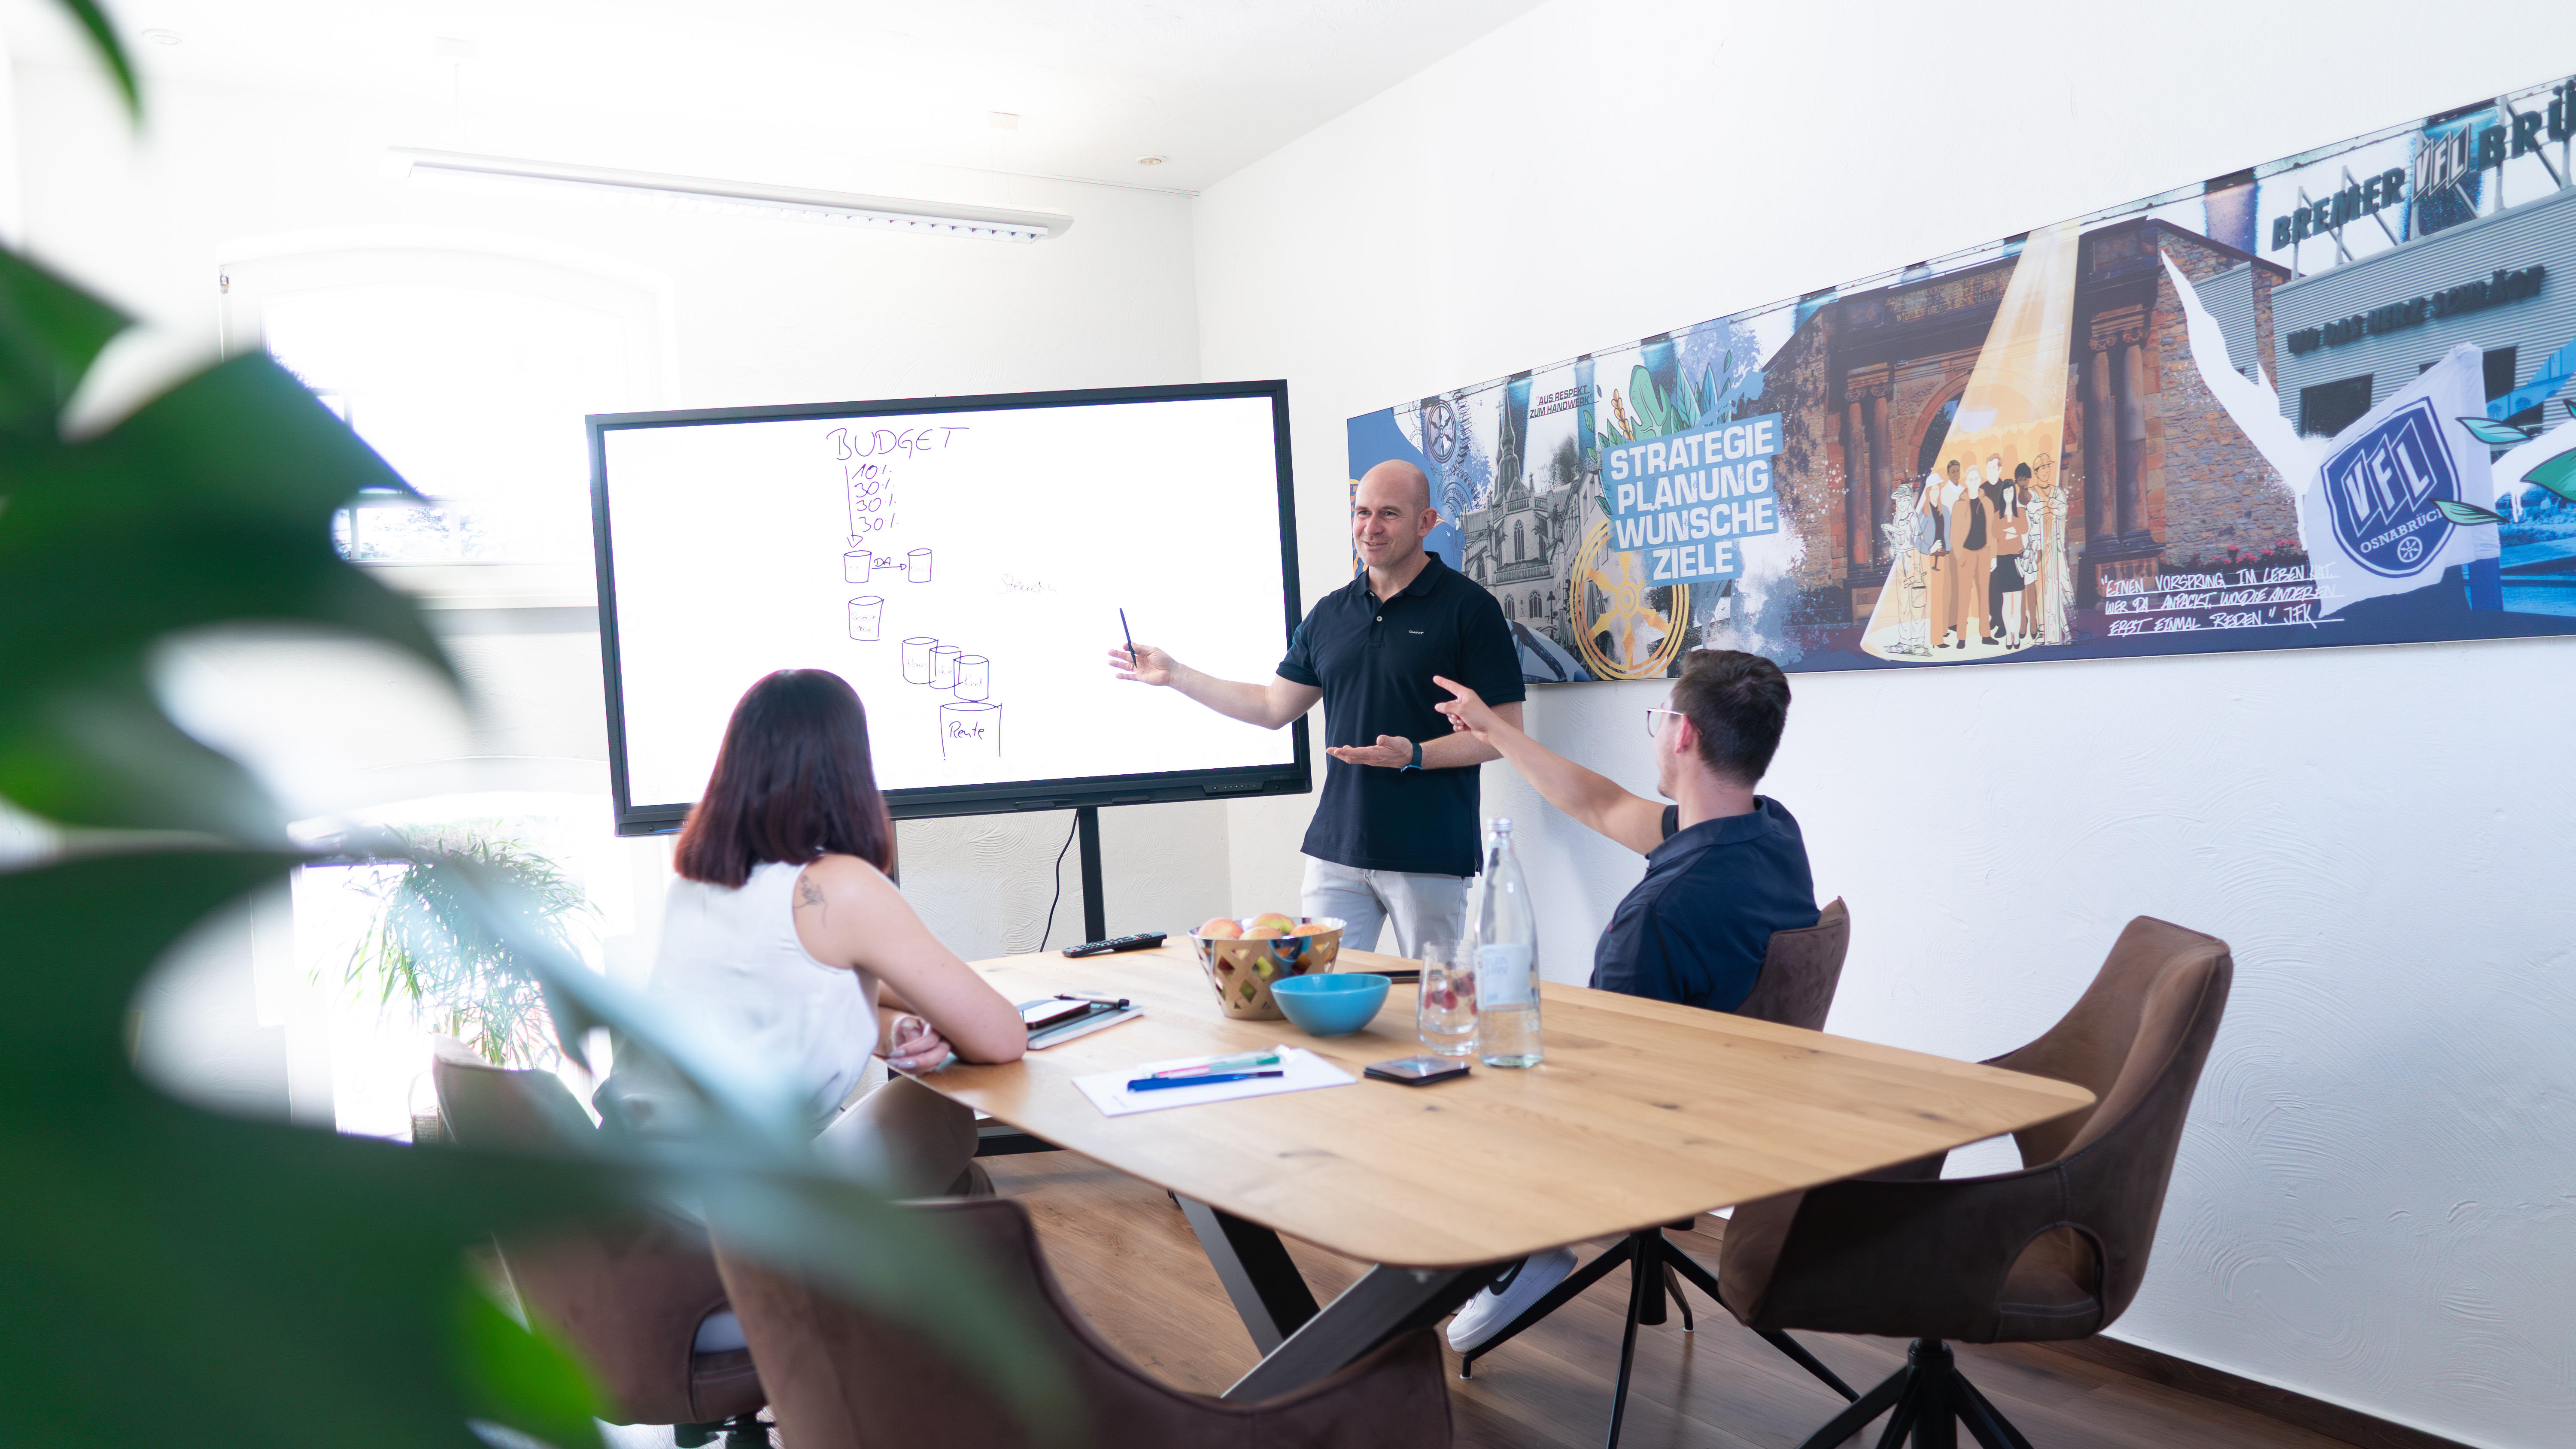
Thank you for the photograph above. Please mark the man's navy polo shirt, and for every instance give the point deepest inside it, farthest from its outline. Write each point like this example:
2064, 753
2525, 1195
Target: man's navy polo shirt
1374, 663
1696, 928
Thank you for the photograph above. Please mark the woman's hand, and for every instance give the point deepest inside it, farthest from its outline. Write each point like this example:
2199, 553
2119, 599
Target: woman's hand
914, 1045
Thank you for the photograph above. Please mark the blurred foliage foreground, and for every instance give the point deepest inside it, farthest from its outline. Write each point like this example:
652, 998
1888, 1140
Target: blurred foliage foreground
168, 1275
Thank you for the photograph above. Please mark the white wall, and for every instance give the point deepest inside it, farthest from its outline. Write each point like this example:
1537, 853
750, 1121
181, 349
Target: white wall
757, 312
2374, 1200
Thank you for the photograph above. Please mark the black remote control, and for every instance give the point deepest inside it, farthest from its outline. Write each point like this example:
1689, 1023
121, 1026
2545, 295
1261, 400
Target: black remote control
1142, 940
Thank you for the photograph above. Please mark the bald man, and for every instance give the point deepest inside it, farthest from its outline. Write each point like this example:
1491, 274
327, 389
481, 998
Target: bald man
1394, 834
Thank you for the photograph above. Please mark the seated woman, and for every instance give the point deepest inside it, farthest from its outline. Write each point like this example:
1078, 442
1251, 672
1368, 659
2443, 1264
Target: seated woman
784, 939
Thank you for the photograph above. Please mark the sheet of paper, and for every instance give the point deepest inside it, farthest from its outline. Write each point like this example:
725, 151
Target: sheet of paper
1304, 1071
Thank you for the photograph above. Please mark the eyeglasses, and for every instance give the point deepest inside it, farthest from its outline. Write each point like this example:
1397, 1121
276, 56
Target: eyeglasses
1653, 721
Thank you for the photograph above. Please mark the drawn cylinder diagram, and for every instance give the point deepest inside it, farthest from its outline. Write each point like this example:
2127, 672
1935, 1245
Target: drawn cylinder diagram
916, 566
943, 665
855, 565
867, 617
970, 730
916, 660
974, 677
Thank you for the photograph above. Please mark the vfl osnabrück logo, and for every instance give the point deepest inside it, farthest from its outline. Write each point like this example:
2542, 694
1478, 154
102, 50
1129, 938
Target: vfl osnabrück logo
2382, 488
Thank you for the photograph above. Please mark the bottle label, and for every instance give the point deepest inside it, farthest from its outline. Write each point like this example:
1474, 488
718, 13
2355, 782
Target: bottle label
1503, 976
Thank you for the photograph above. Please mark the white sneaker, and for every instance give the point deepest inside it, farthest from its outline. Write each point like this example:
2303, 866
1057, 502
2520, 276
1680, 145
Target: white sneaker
1493, 1309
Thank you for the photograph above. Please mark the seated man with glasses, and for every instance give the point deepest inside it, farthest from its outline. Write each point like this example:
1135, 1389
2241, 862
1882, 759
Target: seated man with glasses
1724, 869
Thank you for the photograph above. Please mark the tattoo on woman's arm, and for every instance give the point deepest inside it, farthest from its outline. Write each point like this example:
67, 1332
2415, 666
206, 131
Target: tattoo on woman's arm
810, 894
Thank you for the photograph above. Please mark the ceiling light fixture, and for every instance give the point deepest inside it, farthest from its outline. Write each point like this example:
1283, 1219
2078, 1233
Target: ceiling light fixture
501, 175
1002, 120
159, 36
1152, 160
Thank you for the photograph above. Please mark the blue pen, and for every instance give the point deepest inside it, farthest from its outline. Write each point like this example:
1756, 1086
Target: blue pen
1150, 1084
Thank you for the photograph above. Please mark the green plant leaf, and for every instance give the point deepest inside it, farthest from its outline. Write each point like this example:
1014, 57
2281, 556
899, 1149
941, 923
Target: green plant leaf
523, 1377
2466, 513
161, 1265
210, 504
50, 332
2557, 474
102, 37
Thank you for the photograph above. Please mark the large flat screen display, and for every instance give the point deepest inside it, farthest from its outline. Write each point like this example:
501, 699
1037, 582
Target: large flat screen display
963, 563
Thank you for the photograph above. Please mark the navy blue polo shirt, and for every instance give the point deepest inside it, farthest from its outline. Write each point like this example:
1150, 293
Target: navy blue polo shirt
1374, 663
1696, 928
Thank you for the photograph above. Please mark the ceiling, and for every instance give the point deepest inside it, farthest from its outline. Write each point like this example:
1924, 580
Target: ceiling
1212, 85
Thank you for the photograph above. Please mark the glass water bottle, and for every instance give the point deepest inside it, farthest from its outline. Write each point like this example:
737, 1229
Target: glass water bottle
1505, 935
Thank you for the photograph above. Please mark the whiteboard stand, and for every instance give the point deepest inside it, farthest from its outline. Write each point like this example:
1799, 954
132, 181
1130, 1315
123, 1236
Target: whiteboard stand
1095, 911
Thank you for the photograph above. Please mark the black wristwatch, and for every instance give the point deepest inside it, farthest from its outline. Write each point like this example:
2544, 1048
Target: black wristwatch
1417, 758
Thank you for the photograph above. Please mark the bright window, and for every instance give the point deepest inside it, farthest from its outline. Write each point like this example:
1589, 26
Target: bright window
471, 374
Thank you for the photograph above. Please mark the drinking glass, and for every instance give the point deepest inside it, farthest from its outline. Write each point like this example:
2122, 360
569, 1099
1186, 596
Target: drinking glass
1445, 1015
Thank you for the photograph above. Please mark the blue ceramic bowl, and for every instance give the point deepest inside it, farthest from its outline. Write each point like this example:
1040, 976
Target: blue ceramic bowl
1330, 1005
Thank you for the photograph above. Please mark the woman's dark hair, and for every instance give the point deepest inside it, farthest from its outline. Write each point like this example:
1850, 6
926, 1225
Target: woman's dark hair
792, 782
1738, 703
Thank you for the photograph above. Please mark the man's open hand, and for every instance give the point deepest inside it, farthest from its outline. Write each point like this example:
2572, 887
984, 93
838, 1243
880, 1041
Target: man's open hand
1392, 752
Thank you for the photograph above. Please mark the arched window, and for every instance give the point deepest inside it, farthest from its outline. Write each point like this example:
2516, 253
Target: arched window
1535, 611
1507, 606
1520, 549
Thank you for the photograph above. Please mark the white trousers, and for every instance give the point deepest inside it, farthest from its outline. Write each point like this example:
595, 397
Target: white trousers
1422, 907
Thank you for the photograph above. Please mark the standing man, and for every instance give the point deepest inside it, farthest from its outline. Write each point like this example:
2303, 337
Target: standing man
1394, 836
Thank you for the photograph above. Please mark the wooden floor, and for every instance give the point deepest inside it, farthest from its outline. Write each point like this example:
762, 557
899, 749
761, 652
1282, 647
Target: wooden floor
1127, 1257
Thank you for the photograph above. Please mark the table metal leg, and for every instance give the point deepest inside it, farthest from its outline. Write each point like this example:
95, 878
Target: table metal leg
1384, 1302
1257, 1273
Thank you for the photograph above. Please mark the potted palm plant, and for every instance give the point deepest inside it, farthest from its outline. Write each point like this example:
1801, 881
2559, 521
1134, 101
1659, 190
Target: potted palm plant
433, 942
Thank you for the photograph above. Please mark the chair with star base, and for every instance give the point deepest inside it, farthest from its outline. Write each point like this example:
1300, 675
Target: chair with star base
2055, 1250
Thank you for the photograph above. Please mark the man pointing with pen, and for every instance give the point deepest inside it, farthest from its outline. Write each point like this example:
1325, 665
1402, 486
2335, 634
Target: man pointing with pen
1394, 835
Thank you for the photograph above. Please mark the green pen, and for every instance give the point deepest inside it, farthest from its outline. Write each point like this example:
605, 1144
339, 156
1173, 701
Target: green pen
1224, 1064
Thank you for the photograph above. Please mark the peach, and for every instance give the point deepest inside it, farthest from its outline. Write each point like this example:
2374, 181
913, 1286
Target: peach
1264, 933
1310, 928
1275, 923
1219, 928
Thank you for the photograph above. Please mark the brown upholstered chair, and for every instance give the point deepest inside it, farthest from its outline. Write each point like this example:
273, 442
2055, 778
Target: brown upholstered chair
2055, 1250
840, 1377
627, 1297
1800, 970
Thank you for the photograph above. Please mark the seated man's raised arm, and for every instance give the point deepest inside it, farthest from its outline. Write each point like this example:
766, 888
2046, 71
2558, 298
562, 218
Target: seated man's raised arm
1632, 820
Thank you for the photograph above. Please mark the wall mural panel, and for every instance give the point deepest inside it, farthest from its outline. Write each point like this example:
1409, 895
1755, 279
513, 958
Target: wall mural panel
2313, 403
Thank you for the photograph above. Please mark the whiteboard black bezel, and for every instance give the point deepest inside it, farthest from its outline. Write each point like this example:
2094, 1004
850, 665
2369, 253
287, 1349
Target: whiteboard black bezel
1231, 782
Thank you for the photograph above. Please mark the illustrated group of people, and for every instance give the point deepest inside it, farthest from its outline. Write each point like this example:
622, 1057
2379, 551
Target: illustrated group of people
1987, 554
788, 942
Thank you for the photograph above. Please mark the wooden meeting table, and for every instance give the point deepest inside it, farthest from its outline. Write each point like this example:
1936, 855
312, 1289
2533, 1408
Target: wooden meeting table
1643, 1113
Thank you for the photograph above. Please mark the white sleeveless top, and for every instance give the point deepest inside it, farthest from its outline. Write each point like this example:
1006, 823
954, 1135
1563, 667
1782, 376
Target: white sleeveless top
731, 964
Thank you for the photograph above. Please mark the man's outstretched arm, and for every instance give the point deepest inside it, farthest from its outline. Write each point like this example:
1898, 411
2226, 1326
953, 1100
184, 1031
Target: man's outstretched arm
1267, 705
1632, 820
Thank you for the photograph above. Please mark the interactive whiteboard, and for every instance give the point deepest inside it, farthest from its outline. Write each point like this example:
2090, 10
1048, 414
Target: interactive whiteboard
962, 563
